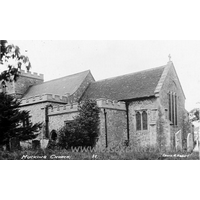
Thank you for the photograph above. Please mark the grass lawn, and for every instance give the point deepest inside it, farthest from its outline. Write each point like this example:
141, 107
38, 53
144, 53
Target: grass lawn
142, 154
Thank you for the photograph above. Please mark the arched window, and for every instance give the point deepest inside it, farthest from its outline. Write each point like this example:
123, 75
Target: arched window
172, 98
144, 120
138, 121
53, 135
141, 120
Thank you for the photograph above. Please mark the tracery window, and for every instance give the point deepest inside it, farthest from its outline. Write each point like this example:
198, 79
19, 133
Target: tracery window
138, 121
172, 99
141, 120
144, 120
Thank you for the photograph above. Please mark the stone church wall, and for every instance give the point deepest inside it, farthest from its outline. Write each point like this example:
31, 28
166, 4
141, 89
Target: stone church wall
171, 84
116, 127
60, 114
115, 115
37, 111
141, 138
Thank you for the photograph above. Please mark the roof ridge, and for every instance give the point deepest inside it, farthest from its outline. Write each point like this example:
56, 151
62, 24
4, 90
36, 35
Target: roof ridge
61, 78
131, 73
162, 80
78, 76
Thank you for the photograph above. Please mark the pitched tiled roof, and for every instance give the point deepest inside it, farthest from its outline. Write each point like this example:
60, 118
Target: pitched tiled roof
130, 86
60, 86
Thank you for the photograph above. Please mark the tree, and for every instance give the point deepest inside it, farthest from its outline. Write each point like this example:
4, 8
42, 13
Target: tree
8, 53
15, 123
194, 114
88, 120
3, 49
83, 131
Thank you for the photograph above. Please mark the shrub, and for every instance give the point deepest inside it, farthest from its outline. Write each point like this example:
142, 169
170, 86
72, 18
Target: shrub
15, 123
84, 129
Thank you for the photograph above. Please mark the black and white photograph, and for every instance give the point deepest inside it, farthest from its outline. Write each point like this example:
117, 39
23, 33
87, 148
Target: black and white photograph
99, 99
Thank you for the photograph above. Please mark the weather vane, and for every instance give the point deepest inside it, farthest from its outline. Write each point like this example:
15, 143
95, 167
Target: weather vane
169, 57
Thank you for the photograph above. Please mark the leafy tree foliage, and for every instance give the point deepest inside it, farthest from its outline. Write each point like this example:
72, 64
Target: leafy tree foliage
194, 114
8, 53
15, 123
83, 131
3, 49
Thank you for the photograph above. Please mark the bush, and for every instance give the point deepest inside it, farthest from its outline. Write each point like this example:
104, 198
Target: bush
84, 129
15, 123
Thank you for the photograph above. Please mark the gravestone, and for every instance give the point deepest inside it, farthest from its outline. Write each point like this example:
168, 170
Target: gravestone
14, 144
190, 144
36, 144
178, 141
26, 144
44, 143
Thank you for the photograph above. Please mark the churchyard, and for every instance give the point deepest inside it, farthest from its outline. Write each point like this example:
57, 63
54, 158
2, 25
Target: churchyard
114, 152
68, 155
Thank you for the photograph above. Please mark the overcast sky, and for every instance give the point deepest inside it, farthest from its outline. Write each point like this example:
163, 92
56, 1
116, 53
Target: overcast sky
57, 58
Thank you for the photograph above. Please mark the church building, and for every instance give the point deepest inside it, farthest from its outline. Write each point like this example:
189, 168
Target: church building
137, 107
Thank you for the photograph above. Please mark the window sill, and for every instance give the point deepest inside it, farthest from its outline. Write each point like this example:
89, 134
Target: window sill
142, 131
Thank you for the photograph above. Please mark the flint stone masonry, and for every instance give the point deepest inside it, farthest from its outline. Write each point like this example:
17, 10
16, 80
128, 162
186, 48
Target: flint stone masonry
167, 133
63, 109
58, 121
172, 84
116, 127
107, 103
102, 103
116, 119
173, 131
60, 112
143, 137
37, 111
